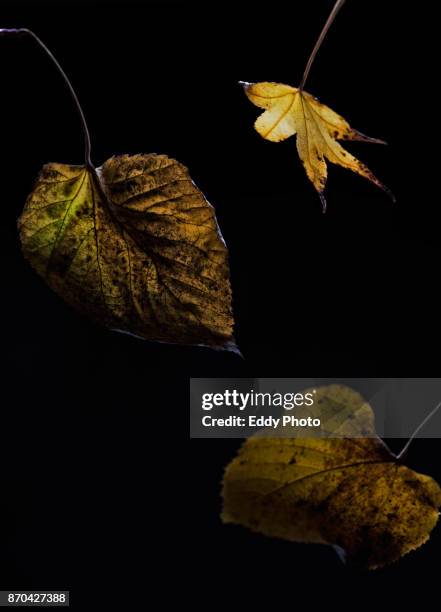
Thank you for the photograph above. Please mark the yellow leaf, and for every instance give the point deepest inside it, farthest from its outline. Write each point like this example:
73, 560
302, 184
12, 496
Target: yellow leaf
135, 245
349, 492
290, 111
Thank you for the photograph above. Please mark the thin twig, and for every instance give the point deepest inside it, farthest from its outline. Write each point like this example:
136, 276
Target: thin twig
415, 433
87, 144
318, 44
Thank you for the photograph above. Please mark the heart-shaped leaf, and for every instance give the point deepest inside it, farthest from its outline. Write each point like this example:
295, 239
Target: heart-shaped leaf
134, 244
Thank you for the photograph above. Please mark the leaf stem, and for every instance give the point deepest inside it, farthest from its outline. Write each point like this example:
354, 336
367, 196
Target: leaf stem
417, 430
87, 143
318, 44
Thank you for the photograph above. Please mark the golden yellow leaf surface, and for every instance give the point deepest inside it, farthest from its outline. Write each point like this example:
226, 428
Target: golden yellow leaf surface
350, 493
135, 245
290, 111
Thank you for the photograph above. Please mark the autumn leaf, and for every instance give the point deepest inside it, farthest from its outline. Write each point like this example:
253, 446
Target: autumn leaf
292, 111
135, 245
348, 492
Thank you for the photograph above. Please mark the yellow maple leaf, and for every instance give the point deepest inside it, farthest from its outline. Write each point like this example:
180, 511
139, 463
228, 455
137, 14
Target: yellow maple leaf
291, 111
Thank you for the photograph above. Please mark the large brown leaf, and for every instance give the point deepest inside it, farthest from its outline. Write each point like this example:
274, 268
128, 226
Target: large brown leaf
134, 244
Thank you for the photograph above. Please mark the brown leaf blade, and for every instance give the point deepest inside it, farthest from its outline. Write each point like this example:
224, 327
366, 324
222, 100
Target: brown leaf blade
135, 245
350, 493
291, 111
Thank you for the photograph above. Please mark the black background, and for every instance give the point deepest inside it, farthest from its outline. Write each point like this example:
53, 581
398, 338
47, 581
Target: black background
99, 482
